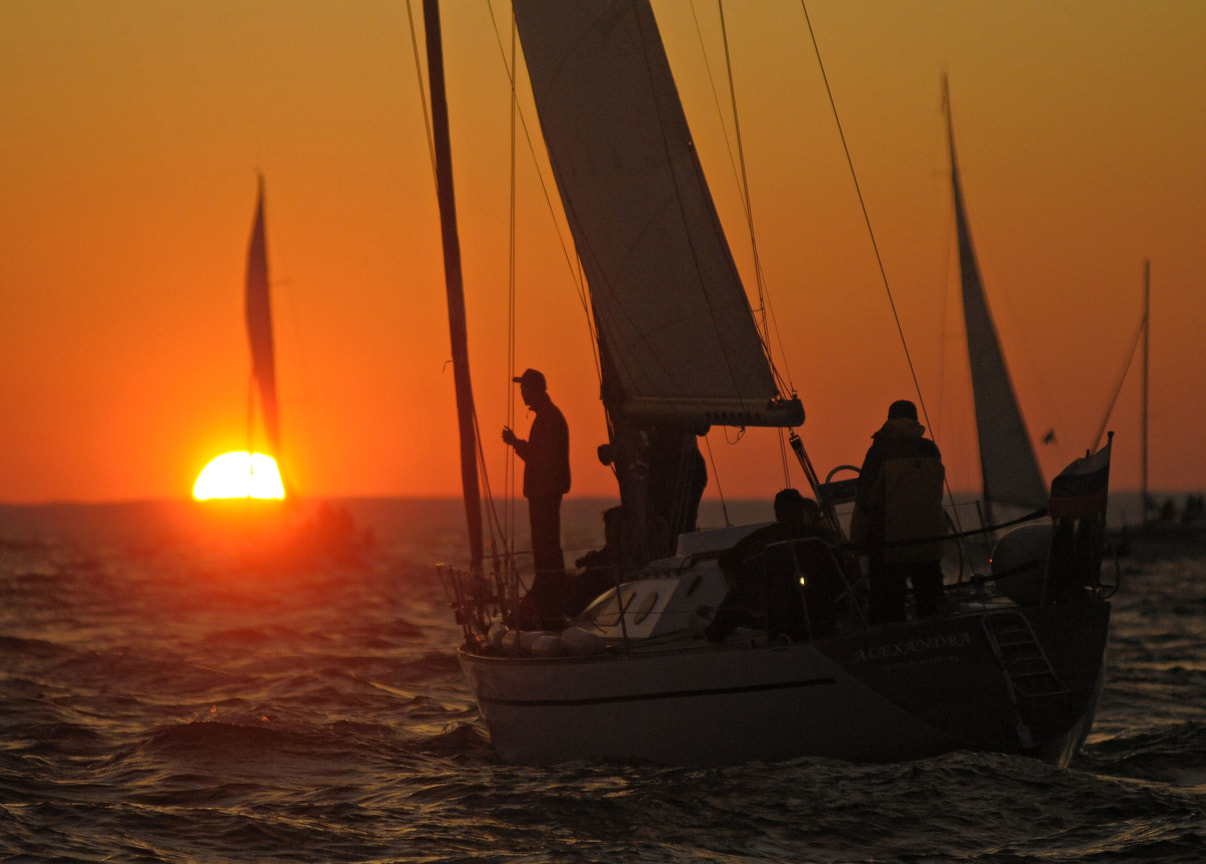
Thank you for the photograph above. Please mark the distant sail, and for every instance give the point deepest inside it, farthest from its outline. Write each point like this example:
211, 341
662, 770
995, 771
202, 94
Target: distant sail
259, 326
1009, 467
675, 326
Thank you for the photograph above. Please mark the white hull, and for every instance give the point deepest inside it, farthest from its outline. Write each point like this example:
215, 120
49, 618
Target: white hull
893, 693
690, 707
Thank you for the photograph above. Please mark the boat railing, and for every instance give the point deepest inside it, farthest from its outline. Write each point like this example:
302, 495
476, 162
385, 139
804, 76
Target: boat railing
471, 596
810, 570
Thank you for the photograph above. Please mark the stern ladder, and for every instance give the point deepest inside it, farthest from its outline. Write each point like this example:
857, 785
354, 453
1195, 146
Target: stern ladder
1028, 671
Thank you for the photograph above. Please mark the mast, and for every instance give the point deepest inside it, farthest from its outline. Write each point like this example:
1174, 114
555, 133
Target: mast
453, 281
1147, 272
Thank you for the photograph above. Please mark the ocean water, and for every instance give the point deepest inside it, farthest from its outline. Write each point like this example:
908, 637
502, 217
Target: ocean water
160, 704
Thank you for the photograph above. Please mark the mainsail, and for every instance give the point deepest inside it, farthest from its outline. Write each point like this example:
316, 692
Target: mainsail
674, 323
259, 327
1008, 465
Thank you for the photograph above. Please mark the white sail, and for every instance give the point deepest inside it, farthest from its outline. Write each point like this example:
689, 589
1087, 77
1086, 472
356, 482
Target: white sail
674, 322
1008, 465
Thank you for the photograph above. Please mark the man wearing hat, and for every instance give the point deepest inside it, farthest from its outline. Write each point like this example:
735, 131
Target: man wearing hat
546, 478
898, 517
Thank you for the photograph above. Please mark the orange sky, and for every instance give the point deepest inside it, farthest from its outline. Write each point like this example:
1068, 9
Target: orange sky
134, 129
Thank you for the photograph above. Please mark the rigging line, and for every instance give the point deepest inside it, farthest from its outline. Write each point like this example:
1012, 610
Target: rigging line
496, 527
947, 291
952, 257
759, 281
866, 216
745, 182
1126, 368
764, 301
715, 96
971, 532
414, 43
786, 386
783, 457
509, 490
724, 508
579, 282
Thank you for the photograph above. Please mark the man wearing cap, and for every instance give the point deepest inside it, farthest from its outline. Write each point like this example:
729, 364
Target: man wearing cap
546, 478
898, 517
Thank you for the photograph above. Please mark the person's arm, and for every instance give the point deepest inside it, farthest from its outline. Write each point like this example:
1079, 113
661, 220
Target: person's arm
864, 504
521, 446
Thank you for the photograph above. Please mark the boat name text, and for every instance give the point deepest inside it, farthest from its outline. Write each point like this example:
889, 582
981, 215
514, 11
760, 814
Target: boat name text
913, 646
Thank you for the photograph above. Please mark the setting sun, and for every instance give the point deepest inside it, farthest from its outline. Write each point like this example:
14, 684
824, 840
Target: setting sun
240, 475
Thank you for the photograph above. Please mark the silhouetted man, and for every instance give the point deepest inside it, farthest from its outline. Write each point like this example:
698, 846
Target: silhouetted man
898, 517
546, 478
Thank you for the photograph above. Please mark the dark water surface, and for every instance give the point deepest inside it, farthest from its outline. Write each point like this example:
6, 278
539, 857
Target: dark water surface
158, 704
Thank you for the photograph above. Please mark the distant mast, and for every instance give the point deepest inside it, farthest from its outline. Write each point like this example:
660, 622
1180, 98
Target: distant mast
1147, 305
454, 282
259, 333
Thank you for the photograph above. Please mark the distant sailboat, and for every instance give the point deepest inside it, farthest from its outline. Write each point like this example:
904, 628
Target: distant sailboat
1162, 530
1009, 469
269, 536
258, 301
247, 473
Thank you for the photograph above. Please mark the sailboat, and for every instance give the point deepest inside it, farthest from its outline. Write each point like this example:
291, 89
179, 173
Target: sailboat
258, 312
268, 532
1008, 466
636, 676
1168, 533
1009, 469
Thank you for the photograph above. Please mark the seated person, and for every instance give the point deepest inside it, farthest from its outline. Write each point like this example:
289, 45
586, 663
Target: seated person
764, 579
601, 567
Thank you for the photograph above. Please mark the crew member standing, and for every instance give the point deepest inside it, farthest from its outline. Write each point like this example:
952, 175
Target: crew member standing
546, 478
898, 517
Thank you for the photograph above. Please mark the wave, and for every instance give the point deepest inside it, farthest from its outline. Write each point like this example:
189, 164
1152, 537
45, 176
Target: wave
458, 739
219, 739
1174, 754
17, 646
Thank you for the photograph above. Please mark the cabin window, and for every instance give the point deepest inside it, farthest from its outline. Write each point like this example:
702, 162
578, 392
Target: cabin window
606, 610
645, 607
